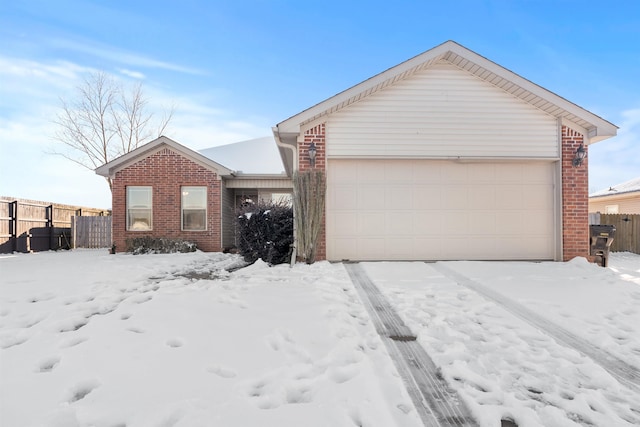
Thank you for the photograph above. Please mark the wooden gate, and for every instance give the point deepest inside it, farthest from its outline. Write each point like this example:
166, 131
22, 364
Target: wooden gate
627, 238
91, 231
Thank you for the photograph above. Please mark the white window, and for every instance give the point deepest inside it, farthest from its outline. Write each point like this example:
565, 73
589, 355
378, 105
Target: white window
611, 209
139, 208
194, 208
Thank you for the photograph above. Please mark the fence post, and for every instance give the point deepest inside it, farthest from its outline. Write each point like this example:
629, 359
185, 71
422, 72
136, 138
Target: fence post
73, 231
13, 227
49, 218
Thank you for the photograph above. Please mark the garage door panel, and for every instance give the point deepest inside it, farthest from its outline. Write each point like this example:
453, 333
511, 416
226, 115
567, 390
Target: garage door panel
458, 247
398, 197
427, 223
509, 197
425, 197
369, 197
397, 172
455, 173
343, 175
426, 248
456, 223
439, 209
482, 224
510, 223
537, 173
343, 198
482, 197
372, 249
429, 173
343, 248
454, 197
400, 248
342, 223
530, 248
509, 173
398, 223
535, 223
370, 223
483, 173
538, 196
370, 172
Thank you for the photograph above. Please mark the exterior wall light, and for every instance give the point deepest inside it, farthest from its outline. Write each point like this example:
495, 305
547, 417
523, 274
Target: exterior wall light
311, 152
579, 156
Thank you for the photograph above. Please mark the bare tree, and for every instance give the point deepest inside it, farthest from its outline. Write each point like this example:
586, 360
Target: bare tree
104, 121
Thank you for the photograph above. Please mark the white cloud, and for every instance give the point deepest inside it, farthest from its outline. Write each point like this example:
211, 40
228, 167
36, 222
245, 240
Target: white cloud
133, 74
119, 56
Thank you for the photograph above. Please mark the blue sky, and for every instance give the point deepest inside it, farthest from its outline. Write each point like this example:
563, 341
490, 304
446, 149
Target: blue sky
234, 69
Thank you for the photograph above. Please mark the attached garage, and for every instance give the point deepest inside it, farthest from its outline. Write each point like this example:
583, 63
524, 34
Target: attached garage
440, 210
447, 156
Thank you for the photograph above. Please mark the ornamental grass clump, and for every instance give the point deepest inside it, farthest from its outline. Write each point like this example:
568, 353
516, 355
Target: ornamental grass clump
309, 189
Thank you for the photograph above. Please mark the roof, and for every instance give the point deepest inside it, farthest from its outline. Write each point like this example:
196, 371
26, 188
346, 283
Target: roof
631, 186
597, 128
109, 169
254, 156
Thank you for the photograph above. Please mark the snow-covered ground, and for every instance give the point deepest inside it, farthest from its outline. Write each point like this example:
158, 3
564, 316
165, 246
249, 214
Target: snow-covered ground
92, 339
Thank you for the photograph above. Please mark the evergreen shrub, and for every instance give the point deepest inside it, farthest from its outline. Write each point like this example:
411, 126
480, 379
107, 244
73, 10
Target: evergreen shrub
265, 231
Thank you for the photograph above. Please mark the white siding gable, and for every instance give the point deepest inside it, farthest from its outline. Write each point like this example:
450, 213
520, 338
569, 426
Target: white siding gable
442, 112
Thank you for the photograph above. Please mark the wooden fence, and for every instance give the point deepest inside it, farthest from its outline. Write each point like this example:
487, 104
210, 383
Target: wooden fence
28, 225
627, 237
91, 231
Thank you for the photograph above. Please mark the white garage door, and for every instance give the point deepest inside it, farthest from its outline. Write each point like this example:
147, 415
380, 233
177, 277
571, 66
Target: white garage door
439, 210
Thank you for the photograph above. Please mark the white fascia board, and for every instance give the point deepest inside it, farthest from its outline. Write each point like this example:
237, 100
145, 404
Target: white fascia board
109, 169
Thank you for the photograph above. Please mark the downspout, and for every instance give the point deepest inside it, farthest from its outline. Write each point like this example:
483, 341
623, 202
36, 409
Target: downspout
294, 168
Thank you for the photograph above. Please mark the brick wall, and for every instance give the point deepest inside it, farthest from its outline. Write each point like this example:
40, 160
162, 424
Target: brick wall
575, 198
166, 171
317, 136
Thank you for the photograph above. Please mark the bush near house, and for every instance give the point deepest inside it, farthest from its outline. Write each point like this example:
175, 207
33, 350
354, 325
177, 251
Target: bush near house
158, 245
265, 230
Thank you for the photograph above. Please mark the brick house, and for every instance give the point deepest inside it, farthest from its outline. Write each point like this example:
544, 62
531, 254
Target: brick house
164, 189
444, 156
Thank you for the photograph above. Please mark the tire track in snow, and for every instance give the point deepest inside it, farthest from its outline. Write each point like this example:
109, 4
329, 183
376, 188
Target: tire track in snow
436, 403
624, 373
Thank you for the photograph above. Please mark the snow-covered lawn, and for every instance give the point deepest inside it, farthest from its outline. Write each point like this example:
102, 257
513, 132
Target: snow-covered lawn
91, 339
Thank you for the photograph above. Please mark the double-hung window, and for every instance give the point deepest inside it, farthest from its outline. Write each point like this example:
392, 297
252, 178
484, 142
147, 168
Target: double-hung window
194, 208
139, 208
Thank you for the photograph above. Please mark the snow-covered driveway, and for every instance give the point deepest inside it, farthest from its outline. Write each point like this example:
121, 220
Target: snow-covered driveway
91, 339
506, 367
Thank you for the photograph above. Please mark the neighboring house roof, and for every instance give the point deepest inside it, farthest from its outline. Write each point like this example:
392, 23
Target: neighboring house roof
254, 156
109, 169
632, 186
596, 127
